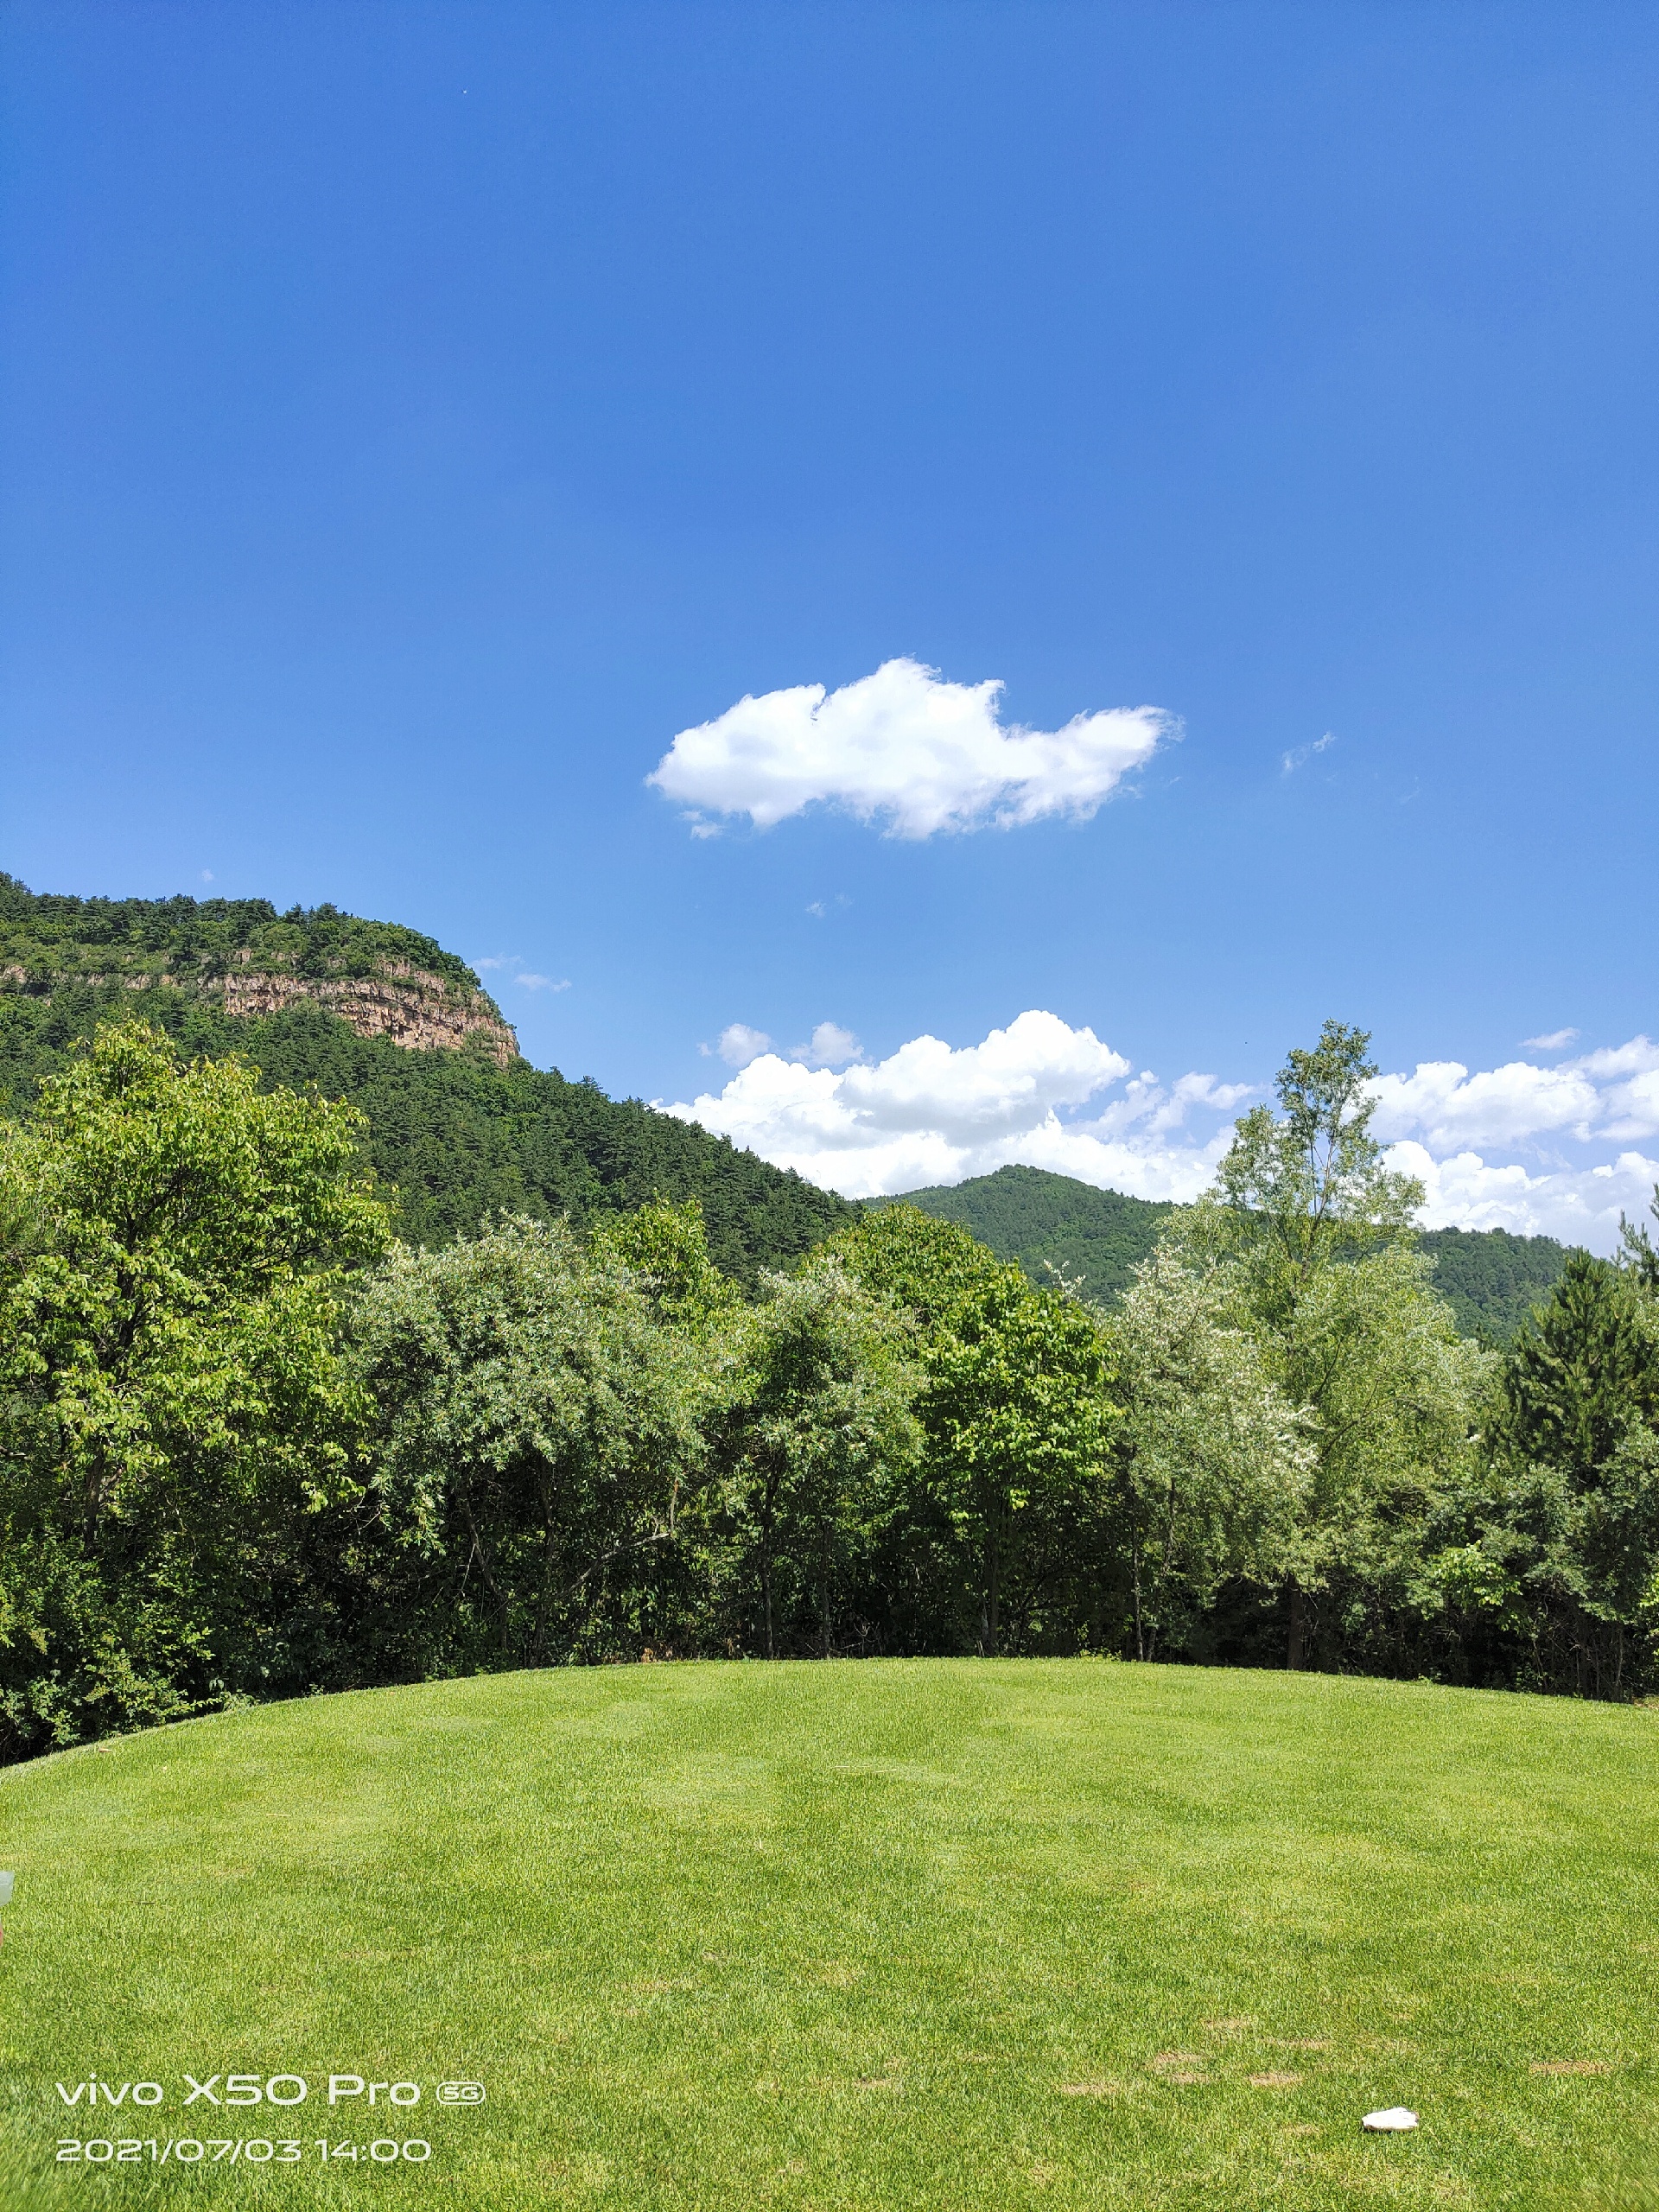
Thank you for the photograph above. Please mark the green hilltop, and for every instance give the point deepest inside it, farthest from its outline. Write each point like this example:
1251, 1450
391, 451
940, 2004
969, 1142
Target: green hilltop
383, 1016
48, 939
464, 1126
1045, 1220
1491, 1279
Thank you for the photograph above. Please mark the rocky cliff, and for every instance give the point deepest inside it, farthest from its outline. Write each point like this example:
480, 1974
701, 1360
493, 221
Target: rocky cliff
381, 978
415, 1010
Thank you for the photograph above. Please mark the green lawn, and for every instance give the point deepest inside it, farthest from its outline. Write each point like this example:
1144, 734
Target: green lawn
931, 1934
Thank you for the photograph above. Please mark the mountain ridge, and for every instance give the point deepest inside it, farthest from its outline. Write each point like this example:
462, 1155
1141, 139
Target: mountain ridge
463, 1126
380, 977
459, 1122
1490, 1277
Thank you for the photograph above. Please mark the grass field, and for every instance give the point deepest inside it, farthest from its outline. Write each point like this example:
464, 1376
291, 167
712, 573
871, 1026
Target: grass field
952, 1934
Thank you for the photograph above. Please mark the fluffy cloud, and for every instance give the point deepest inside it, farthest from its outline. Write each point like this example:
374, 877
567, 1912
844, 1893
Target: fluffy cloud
829, 1046
1505, 1106
1578, 1205
929, 1113
1440, 1114
904, 748
1045, 1094
1610, 1093
737, 1044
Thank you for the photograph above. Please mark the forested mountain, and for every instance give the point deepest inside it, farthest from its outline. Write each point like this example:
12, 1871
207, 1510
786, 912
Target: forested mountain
1034, 1216
1491, 1279
464, 1126
382, 1016
47, 937
254, 1443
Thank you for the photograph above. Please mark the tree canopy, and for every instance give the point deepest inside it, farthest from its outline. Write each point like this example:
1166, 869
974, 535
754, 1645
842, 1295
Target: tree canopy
251, 1443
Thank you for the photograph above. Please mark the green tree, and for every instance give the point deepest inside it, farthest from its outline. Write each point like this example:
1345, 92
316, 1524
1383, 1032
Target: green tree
665, 1249
929, 1269
1212, 1461
1313, 1234
1638, 1251
536, 1425
1569, 1533
179, 1250
1016, 1411
1307, 1184
811, 1442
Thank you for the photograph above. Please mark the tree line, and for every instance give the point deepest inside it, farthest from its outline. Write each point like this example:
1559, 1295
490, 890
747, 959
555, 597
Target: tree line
252, 1446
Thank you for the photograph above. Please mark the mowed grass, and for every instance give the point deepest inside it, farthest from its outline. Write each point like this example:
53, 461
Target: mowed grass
953, 1934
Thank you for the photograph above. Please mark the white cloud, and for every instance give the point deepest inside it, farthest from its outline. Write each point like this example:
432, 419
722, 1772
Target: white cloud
929, 1113
1505, 1106
1045, 1094
1639, 1056
1577, 1205
1553, 1041
1300, 755
738, 1044
542, 982
1612, 1092
904, 748
830, 1046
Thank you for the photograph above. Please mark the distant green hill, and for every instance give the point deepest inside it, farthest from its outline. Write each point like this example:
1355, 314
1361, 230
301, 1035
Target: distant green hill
1031, 1216
463, 1126
1489, 1278
381, 1015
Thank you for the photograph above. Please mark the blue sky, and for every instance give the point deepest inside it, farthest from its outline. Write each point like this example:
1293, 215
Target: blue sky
413, 418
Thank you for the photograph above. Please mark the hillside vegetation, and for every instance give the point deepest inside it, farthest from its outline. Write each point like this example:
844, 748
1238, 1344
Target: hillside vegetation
461, 1132
1045, 1220
1056, 1935
1491, 1279
48, 938
262, 1432
460, 1138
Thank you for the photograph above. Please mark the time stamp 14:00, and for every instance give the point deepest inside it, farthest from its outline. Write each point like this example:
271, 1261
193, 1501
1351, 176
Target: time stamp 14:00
257, 2151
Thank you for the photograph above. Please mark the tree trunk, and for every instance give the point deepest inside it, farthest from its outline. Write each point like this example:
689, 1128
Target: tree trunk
1297, 1627
768, 1509
993, 1572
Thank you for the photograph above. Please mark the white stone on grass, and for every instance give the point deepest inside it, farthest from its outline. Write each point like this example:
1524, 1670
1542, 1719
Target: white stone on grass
1394, 2121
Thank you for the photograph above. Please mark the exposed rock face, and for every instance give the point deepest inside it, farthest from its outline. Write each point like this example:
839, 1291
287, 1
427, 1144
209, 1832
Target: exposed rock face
415, 1010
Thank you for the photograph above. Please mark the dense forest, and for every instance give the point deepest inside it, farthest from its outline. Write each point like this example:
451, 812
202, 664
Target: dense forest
1491, 1279
457, 1135
48, 938
1045, 1221
460, 1137
325, 1361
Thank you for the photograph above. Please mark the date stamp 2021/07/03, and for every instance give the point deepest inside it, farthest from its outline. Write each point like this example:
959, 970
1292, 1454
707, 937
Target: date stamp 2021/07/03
357, 2093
